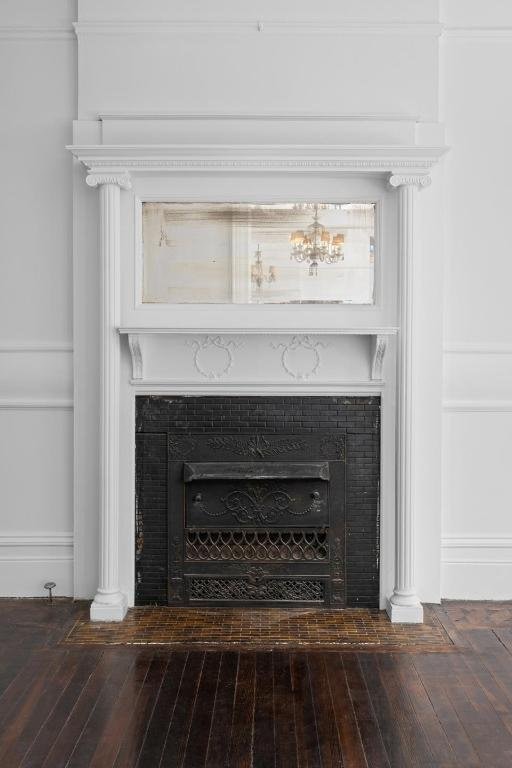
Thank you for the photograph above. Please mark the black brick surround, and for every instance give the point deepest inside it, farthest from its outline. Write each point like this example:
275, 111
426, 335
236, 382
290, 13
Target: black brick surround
356, 418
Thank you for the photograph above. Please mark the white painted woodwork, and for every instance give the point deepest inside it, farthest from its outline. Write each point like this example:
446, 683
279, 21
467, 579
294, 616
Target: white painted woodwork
109, 604
404, 604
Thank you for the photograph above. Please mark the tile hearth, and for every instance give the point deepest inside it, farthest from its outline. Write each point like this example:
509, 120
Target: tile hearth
239, 628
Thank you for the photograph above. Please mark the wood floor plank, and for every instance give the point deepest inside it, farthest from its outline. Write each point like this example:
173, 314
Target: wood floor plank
328, 741
179, 726
136, 729
158, 724
96, 723
396, 747
352, 749
410, 725
308, 752
62, 749
371, 737
425, 716
242, 727
108, 746
435, 680
199, 735
220, 729
286, 744
264, 752
52, 726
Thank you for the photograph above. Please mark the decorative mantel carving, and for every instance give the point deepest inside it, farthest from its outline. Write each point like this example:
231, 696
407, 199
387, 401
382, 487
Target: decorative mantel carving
120, 179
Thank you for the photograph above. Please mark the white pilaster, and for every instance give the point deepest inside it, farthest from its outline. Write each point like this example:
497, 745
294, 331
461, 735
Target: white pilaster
109, 604
404, 605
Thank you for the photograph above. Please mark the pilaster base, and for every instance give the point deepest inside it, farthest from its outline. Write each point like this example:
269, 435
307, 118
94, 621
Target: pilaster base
405, 614
114, 610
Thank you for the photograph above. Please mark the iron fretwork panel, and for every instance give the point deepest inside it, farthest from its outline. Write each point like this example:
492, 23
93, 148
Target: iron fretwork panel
274, 545
275, 590
237, 501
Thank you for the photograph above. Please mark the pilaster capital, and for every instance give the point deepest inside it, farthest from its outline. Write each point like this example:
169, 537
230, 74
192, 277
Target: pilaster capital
409, 180
120, 179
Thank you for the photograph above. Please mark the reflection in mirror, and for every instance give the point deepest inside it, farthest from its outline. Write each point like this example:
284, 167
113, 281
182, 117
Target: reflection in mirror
247, 253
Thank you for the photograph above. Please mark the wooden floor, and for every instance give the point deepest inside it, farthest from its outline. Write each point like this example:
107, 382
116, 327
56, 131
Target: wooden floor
147, 706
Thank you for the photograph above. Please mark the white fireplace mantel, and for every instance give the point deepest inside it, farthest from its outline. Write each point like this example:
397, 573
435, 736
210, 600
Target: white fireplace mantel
114, 168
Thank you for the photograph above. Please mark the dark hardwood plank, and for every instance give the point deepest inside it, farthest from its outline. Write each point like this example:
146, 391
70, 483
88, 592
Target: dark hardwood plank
220, 730
348, 733
425, 716
264, 752
21, 727
308, 753
197, 744
100, 714
136, 729
154, 741
54, 723
328, 742
179, 727
417, 744
285, 741
396, 747
67, 740
242, 728
109, 744
435, 680
371, 737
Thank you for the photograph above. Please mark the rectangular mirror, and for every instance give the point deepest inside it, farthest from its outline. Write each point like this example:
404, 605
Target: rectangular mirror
247, 253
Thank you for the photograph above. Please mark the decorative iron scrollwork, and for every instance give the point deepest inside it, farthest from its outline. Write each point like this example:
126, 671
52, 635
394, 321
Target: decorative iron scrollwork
179, 446
256, 446
266, 589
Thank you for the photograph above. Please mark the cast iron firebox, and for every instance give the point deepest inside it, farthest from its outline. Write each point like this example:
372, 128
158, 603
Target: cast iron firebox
247, 501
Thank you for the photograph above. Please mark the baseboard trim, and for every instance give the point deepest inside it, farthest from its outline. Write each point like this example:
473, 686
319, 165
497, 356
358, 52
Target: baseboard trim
29, 560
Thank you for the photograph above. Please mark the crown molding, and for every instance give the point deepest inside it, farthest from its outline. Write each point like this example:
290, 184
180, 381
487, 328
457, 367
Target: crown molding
256, 26
111, 160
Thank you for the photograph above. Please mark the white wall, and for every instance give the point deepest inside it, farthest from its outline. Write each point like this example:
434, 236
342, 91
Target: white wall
477, 418
37, 96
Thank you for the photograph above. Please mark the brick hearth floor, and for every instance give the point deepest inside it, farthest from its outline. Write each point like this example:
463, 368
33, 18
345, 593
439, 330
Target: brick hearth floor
253, 628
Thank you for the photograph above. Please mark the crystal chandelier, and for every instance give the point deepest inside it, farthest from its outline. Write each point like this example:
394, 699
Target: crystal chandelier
258, 275
316, 244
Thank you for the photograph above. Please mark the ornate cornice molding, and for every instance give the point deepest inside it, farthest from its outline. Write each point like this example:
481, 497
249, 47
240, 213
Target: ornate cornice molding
121, 179
106, 162
410, 180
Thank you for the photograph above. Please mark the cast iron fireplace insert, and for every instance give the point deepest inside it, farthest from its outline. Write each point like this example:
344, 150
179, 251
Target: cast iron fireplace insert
236, 510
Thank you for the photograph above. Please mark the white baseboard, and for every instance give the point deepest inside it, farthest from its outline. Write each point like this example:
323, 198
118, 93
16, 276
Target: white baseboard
476, 568
29, 559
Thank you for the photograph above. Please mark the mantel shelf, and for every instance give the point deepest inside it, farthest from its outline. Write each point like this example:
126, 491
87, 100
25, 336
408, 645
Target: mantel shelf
384, 331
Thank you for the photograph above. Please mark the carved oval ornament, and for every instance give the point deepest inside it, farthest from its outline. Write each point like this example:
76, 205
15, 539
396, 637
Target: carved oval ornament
300, 357
213, 356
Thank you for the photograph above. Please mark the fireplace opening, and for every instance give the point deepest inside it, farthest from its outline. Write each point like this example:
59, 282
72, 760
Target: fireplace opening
263, 501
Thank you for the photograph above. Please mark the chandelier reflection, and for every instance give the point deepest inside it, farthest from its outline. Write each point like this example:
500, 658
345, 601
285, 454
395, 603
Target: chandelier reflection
258, 276
317, 245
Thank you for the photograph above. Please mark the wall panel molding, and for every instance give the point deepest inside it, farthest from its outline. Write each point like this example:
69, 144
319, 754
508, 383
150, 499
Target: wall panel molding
255, 26
30, 558
8, 347
19, 404
36, 34
469, 348
477, 406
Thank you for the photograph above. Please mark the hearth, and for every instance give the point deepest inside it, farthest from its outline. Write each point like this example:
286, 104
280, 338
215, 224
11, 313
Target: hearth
267, 501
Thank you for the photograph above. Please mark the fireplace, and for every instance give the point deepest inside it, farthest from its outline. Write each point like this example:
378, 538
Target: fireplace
264, 501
